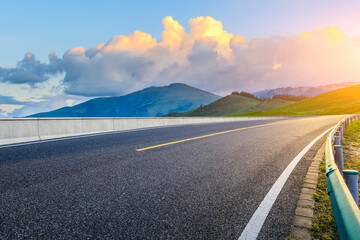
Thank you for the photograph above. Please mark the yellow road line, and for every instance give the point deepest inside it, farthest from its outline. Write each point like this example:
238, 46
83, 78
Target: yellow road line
204, 136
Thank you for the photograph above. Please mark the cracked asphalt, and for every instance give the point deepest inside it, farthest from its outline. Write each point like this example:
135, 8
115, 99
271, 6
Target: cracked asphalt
100, 187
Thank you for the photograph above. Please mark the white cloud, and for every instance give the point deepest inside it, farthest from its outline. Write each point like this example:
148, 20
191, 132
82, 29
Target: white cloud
6, 109
69, 102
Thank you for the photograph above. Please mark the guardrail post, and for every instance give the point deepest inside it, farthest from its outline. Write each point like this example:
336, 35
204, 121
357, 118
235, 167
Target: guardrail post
339, 158
337, 139
341, 129
351, 179
338, 132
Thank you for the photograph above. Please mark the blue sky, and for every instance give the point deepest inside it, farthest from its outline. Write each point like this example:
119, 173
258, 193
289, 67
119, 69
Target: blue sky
40, 26
60, 53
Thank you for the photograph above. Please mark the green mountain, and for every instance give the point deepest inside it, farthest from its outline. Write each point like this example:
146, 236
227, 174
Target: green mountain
149, 102
231, 104
340, 101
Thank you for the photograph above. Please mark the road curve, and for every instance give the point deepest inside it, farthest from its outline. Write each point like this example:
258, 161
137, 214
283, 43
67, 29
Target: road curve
101, 187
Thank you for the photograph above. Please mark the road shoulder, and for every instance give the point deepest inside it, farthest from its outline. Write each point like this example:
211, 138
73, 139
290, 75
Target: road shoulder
304, 213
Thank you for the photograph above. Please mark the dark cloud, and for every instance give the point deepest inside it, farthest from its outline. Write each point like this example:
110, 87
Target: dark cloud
9, 100
31, 71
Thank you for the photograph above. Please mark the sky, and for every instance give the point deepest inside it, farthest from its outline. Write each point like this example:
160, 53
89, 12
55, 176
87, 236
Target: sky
60, 53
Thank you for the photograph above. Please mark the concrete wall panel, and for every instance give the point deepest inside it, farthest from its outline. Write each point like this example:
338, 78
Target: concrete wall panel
33, 129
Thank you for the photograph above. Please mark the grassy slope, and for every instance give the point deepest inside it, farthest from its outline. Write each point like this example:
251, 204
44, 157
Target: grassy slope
340, 101
232, 104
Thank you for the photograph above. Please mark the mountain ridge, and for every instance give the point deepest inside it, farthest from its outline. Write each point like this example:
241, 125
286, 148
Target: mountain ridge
307, 91
148, 102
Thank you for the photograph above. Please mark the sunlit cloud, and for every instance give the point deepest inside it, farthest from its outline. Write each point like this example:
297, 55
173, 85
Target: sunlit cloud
202, 54
277, 66
209, 57
69, 102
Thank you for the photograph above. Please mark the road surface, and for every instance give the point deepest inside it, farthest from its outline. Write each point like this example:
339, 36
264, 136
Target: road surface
185, 182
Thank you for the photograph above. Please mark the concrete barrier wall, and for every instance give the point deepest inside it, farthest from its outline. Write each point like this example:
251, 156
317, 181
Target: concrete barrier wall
19, 130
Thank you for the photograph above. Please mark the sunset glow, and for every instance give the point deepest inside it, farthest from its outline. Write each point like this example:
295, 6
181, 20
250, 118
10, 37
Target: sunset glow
203, 50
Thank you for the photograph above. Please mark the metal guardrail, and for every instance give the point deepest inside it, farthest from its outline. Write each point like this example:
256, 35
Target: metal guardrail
346, 211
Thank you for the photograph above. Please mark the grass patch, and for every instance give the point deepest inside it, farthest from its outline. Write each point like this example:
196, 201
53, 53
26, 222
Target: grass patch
351, 146
324, 226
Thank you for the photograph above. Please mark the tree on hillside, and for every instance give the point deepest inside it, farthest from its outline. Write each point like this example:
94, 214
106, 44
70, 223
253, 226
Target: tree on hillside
289, 97
249, 95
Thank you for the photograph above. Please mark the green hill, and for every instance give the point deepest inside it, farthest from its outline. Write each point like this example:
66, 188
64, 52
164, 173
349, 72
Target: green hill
231, 104
340, 101
149, 102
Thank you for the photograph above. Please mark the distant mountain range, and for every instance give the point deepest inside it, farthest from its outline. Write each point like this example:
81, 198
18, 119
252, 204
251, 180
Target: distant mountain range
149, 102
179, 99
307, 91
232, 104
340, 101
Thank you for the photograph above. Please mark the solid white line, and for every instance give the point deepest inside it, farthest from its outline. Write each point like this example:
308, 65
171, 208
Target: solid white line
257, 220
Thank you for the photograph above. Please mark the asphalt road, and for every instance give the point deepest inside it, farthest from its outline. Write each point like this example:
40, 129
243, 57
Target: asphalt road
100, 187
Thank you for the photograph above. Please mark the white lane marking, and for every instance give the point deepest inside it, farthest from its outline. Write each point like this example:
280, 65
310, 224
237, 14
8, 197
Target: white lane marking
113, 132
257, 220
